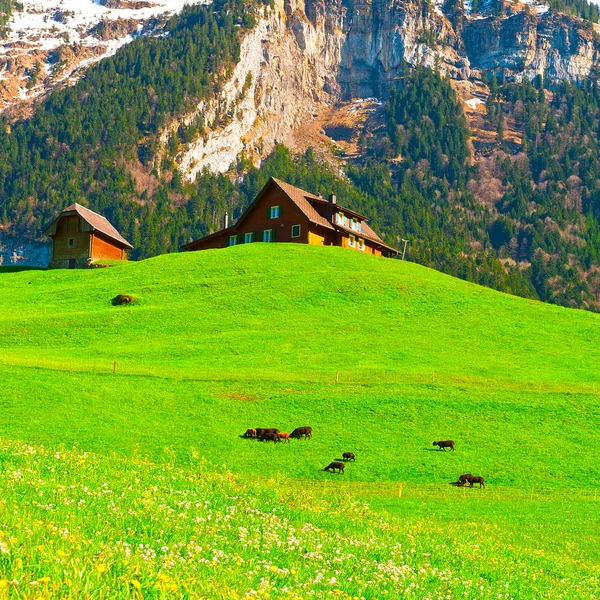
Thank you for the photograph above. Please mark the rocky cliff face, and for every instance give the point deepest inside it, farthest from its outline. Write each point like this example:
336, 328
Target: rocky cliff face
527, 44
307, 54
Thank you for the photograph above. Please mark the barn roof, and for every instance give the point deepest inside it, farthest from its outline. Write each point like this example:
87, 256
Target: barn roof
94, 220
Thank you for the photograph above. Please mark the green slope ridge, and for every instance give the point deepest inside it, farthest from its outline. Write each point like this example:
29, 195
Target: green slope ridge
219, 341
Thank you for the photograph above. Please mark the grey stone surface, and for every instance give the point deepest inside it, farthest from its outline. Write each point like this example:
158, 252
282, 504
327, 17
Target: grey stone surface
19, 253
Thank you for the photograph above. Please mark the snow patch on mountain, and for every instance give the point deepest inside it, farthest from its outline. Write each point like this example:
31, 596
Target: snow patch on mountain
53, 41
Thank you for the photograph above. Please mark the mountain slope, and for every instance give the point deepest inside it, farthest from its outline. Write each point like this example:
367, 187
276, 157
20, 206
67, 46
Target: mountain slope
229, 81
50, 43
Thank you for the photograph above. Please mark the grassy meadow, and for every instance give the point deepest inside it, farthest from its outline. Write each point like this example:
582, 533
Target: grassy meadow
380, 357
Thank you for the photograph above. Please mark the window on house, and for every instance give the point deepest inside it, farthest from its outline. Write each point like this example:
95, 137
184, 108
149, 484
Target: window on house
338, 218
232, 240
268, 235
352, 225
296, 231
275, 212
351, 241
361, 244
249, 238
71, 242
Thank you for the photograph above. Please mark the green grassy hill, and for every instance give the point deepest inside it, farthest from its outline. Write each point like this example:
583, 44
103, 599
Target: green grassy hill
380, 357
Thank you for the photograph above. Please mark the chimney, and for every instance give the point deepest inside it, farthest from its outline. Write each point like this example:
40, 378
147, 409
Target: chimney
332, 198
226, 220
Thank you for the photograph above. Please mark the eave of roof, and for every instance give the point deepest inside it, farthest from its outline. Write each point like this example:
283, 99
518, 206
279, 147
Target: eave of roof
210, 236
367, 235
95, 221
339, 207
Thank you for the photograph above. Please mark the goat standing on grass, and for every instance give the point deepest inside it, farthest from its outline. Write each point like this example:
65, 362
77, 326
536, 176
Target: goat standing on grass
444, 444
333, 466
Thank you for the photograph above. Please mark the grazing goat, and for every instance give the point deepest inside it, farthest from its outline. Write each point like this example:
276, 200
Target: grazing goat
444, 444
250, 433
333, 466
284, 436
464, 479
269, 437
476, 479
260, 431
300, 432
348, 456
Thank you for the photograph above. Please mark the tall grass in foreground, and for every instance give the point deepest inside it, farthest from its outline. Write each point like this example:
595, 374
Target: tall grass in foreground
75, 525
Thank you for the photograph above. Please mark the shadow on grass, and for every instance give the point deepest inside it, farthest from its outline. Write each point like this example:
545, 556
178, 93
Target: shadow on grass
19, 269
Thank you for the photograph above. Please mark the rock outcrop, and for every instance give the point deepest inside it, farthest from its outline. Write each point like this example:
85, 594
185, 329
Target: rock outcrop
527, 44
304, 55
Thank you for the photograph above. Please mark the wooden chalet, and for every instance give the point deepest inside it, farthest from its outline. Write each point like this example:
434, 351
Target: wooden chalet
284, 213
80, 236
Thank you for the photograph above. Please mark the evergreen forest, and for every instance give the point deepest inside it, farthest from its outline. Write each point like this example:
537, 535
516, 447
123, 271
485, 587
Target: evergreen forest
522, 219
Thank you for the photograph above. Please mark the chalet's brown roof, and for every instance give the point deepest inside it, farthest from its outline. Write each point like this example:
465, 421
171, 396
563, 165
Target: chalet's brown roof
325, 202
95, 221
302, 200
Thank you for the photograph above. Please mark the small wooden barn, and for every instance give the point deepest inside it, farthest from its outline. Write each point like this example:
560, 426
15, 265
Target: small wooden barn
284, 213
80, 237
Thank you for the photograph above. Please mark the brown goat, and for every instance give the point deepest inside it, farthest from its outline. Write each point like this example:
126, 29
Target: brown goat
348, 456
269, 437
476, 479
300, 432
444, 444
250, 433
284, 436
333, 466
260, 431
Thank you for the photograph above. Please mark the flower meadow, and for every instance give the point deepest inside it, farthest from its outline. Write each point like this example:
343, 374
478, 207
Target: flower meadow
79, 525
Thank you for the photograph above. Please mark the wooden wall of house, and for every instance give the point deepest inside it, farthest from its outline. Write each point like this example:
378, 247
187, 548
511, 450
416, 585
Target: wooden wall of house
315, 237
70, 228
370, 247
258, 219
103, 248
